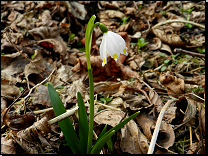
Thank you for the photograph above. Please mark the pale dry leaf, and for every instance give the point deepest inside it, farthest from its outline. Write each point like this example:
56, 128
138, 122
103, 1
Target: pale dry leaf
135, 62
154, 44
167, 36
7, 146
109, 117
9, 91
166, 136
165, 47
116, 103
132, 140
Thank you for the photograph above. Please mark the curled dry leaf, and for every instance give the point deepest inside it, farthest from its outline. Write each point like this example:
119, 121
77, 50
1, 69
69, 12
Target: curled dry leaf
170, 111
174, 85
185, 111
154, 44
38, 60
56, 46
132, 139
7, 146
169, 37
130, 11
28, 137
166, 136
166, 48
201, 116
18, 122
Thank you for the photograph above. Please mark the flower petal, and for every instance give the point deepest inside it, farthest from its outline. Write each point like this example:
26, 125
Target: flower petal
103, 52
113, 47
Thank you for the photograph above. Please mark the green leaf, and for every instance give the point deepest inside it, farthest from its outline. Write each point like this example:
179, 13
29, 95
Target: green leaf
99, 145
65, 125
163, 68
21, 89
32, 56
101, 134
167, 61
83, 124
161, 54
110, 145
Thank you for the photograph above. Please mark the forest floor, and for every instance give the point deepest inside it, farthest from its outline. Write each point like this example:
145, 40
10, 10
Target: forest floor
44, 42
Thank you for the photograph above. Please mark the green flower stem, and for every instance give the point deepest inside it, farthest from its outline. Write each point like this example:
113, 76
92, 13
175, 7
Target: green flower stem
88, 42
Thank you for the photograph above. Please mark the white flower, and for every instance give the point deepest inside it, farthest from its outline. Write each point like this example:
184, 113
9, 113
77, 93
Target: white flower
112, 44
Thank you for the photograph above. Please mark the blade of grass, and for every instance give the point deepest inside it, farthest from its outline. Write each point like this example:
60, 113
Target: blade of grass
101, 134
83, 124
99, 145
65, 125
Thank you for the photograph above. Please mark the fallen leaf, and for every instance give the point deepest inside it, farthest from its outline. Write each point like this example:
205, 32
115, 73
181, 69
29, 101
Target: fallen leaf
7, 146
174, 85
132, 140
166, 136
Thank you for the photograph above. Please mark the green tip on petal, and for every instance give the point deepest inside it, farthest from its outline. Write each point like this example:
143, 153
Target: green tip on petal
103, 28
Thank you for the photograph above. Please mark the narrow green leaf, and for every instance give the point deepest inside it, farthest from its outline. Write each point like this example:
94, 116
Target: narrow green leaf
99, 145
83, 124
65, 125
101, 134
110, 145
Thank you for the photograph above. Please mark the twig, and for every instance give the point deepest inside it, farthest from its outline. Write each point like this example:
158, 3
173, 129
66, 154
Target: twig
31, 61
179, 50
177, 20
63, 116
157, 127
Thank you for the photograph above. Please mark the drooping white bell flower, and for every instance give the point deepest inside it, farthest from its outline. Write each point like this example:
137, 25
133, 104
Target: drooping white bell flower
112, 44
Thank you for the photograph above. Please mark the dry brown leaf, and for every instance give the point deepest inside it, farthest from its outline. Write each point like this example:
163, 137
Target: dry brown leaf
168, 36
31, 68
41, 96
7, 146
56, 46
18, 122
135, 62
169, 113
166, 48
109, 117
154, 44
44, 4
130, 11
185, 111
174, 85
9, 91
201, 116
26, 138
132, 140
166, 136
69, 93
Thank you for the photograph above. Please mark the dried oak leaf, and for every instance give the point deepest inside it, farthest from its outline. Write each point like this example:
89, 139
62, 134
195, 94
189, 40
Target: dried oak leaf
174, 85
166, 136
7, 146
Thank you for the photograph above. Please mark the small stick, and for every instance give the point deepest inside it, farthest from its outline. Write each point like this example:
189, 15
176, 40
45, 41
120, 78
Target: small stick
179, 50
157, 127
